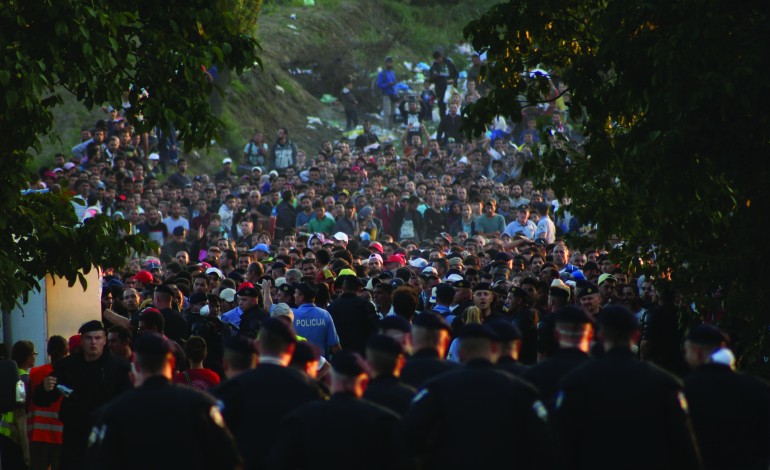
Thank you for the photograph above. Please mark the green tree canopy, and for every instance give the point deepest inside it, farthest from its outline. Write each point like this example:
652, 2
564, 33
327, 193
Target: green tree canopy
672, 98
149, 57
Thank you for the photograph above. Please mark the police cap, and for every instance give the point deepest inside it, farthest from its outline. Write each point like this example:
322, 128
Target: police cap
505, 330
93, 325
348, 364
617, 318
430, 321
707, 335
386, 344
572, 315
395, 322
479, 331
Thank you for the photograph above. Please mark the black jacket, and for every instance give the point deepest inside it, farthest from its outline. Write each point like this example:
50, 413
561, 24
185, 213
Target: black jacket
398, 221
160, 425
390, 392
94, 384
355, 320
422, 366
547, 374
616, 411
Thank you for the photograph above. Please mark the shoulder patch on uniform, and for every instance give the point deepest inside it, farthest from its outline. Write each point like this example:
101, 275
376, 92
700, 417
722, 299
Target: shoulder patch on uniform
97, 435
540, 410
559, 399
420, 395
216, 416
683, 402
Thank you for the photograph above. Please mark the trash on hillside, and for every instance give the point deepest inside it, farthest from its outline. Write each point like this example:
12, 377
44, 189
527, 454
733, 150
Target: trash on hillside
314, 120
280, 88
328, 99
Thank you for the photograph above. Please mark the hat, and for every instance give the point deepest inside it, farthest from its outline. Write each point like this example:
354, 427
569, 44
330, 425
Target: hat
461, 283
430, 321
216, 271
240, 344
446, 237
606, 277
282, 309
197, 298
287, 288
587, 289
152, 263
280, 329
376, 247
49, 174
70, 165
348, 364
559, 289
523, 207
248, 292
93, 325
228, 295
483, 286
519, 293
388, 59
573, 315
395, 259
340, 236
227, 161
145, 277
178, 230
74, 342
261, 247
151, 344
307, 289
375, 256
318, 236
707, 335
278, 265
364, 212
477, 330
386, 344
420, 263
505, 330
617, 318
429, 271
395, 322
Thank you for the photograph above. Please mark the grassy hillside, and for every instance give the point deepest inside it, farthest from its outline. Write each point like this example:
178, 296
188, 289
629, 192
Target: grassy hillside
307, 52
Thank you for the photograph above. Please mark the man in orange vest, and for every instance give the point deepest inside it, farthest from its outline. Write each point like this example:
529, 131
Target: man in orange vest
43, 425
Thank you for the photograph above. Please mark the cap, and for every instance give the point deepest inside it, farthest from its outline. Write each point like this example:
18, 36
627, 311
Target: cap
572, 315
348, 364
395, 322
384, 343
376, 247
461, 283
505, 330
455, 262
483, 286
559, 289
606, 277
70, 165
587, 289
164, 289
282, 310
307, 289
446, 237
198, 297
477, 330
256, 168
145, 277
707, 334
419, 263
305, 352
287, 288
248, 292
444, 289
228, 295
178, 231
375, 256
280, 329
261, 247
93, 325
153, 156
430, 321
617, 318
215, 271
341, 236
74, 342
227, 161
429, 271
395, 259
519, 293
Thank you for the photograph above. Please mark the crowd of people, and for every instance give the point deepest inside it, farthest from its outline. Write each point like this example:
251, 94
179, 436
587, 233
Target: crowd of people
371, 305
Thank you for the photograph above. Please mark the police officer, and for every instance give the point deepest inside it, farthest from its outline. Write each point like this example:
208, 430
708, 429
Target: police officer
344, 432
509, 345
90, 378
617, 412
255, 401
521, 313
574, 333
385, 357
730, 411
160, 425
430, 342
478, 416
253, 314
354, 318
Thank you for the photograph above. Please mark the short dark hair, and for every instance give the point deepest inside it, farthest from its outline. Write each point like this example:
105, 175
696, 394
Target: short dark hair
57, 347
405, 302
195, 348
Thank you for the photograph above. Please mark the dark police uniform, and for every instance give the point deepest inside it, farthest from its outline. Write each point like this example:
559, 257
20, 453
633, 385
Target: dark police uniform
422, 366
478, 417
355, 320
342, 433
255, 402
546, 374
617, 412
730, 416
389, 392
160, 426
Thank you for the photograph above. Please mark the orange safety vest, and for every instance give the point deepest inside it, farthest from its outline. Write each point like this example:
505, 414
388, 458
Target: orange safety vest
43, 423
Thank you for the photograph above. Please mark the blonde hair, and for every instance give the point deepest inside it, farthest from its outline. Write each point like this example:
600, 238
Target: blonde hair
472, 315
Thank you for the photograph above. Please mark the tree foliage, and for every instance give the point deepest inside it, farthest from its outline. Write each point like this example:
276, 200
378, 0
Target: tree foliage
149, 56
672, 98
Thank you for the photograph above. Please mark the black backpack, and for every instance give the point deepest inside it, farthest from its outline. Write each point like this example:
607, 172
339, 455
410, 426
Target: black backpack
9, 384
